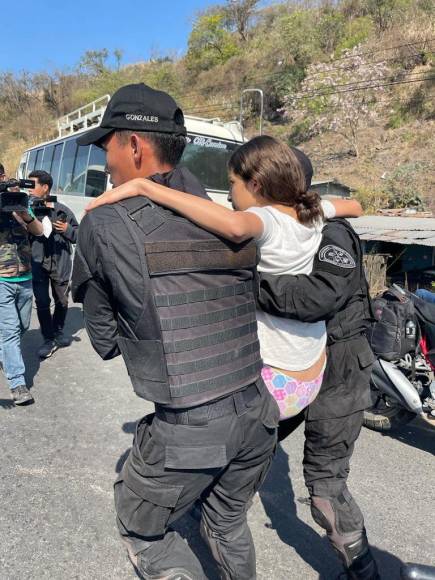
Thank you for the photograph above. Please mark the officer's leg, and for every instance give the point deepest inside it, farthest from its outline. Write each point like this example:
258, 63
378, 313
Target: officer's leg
224, 524
329, 445
149, 497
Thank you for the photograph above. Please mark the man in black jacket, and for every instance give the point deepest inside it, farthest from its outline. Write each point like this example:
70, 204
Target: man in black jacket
52, 263
336, 291
178, 304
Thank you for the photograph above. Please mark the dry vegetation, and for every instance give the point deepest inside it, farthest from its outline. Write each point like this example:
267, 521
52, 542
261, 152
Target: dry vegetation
283, 50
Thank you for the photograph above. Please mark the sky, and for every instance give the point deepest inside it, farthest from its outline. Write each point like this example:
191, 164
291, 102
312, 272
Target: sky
47, 35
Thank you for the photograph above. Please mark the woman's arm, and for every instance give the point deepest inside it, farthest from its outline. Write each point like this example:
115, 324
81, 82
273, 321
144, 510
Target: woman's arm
350, 208
236, 226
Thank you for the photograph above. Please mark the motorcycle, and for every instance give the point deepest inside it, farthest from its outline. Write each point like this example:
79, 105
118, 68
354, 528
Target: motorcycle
405, 388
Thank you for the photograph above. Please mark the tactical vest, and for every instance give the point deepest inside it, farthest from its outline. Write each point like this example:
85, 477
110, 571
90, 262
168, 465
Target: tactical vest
15, 251
196, 340
355, 317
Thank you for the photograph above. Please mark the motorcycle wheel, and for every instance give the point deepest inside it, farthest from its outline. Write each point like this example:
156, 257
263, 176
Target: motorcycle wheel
384, 415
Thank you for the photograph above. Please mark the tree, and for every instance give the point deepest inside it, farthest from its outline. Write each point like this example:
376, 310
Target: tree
118, 54
339, 97
239, 14
210, 42
94, 62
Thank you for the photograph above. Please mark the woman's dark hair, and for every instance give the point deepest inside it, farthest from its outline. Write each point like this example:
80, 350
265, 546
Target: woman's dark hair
279, 175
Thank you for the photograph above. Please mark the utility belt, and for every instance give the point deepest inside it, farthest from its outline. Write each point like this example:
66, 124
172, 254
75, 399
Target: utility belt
234, 403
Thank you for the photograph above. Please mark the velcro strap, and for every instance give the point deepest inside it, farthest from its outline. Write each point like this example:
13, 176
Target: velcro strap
212, 361
248, 372
207, 318
203, 295
191, 256
210, 340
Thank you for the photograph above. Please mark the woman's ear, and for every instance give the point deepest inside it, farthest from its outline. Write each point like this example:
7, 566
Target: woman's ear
254, 186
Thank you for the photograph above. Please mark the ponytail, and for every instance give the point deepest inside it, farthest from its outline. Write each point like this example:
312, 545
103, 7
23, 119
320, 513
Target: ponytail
308, 208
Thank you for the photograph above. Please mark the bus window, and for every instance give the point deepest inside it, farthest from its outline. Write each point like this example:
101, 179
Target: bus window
48, 156
77, 186
55, 166
96, 178
31, 162
22, 167
66, 168
38, 161
207, 158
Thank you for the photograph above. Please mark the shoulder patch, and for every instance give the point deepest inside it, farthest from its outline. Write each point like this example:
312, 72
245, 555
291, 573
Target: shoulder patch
336, 256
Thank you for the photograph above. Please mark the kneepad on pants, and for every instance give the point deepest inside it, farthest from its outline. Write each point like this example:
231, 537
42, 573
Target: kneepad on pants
344, 524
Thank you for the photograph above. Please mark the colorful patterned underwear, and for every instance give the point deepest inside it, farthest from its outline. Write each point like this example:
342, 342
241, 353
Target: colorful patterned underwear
292, 395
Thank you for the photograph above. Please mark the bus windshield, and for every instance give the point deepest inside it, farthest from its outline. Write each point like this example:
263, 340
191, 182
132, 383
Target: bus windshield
207, 159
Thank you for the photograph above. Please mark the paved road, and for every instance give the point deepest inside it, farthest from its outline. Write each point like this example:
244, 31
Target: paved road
60, 456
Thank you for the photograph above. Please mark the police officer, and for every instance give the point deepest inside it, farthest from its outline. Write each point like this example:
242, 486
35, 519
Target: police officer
336, 291
178, 304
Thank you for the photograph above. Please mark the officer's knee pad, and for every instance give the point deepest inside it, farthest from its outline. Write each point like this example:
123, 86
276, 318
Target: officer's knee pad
344, 525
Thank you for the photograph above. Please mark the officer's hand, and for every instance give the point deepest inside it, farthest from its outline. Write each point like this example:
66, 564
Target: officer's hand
60, 227
132, 188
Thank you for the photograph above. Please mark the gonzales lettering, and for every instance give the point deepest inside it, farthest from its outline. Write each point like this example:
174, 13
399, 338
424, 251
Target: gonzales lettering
143, 118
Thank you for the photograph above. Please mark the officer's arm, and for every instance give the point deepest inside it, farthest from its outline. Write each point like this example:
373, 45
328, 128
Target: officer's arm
93, 290
320, 295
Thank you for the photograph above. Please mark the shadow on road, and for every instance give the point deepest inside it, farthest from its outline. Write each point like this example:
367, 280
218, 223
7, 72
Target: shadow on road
6, 404
279, 503
32, 340
415, 434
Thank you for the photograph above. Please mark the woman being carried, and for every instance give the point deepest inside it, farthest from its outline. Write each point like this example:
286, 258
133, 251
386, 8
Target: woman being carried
273, 206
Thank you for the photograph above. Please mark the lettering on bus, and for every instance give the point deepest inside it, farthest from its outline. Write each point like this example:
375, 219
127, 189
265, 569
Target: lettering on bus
207, 142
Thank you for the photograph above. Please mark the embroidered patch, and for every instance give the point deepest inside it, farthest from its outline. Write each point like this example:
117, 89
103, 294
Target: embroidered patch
336, 256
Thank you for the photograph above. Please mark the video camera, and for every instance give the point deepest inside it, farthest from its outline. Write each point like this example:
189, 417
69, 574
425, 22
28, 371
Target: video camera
43, 206
15, 200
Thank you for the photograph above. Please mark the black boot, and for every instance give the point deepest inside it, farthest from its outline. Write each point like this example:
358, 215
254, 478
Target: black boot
364, 567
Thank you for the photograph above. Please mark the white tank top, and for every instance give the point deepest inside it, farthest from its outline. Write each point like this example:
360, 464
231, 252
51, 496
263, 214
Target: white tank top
288, 247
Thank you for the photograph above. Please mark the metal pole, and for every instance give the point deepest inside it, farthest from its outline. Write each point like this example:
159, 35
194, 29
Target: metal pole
260, 92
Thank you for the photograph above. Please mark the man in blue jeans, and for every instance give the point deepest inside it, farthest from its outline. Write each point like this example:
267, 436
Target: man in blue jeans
15, 296
425, 294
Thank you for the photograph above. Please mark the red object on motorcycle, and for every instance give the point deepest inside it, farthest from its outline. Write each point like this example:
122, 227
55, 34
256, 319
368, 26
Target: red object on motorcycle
425, 350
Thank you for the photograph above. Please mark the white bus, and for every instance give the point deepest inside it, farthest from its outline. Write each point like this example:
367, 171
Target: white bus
79, 172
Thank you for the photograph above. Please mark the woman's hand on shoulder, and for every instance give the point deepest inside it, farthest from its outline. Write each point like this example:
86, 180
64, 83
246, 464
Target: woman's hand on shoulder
131, 188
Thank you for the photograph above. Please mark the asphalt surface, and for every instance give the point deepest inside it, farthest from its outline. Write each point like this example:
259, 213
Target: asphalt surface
60, 456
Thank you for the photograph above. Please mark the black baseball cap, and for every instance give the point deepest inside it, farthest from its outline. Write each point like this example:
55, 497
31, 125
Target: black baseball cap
306, 165
138, 108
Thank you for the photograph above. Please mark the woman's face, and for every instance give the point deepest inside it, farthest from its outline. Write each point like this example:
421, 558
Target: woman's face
242, 194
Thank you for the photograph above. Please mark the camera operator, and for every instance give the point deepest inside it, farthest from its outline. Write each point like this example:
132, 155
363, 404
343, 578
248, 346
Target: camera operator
15, 294
52, 263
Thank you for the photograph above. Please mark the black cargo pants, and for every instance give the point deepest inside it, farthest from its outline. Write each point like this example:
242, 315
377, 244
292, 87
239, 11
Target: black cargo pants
50, 323
220, 453
332, 425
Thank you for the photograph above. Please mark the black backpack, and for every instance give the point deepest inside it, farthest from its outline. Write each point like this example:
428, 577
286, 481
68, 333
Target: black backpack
395, 331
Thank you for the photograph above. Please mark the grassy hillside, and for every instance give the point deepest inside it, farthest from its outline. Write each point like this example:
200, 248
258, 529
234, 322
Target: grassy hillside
351, 82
